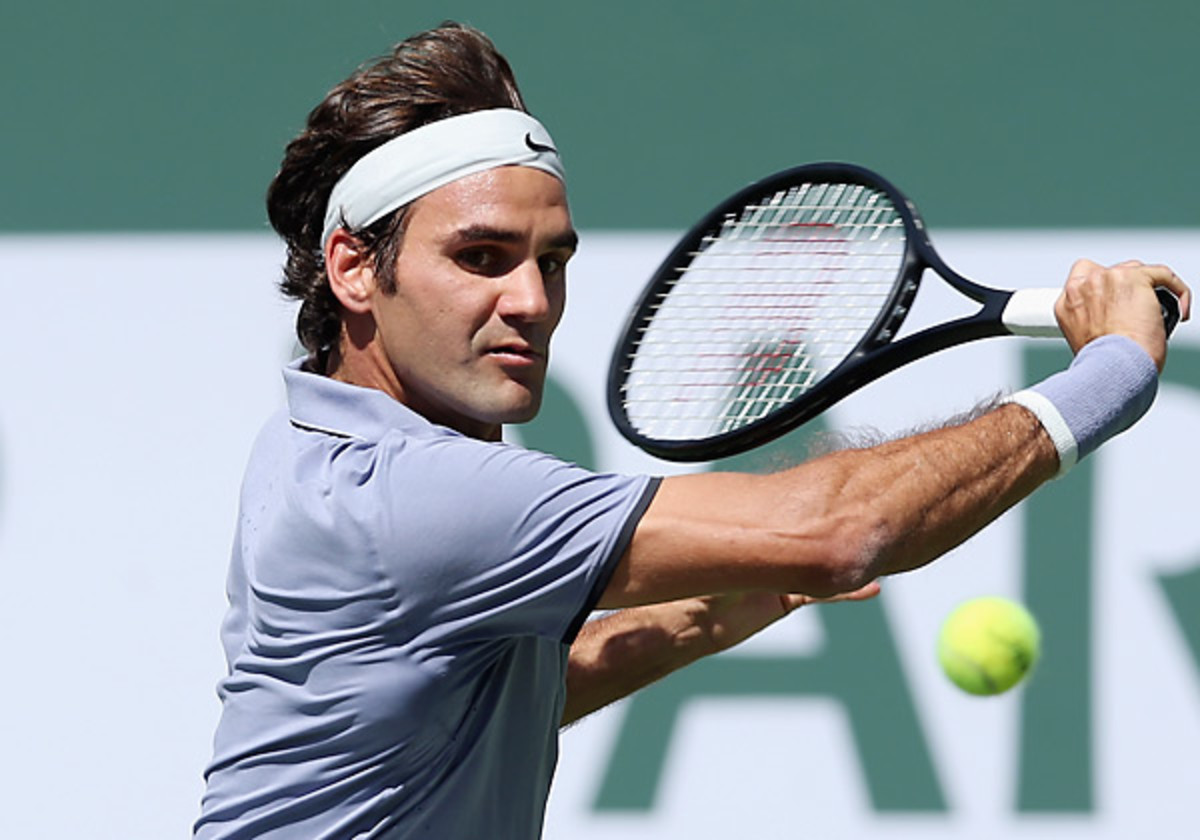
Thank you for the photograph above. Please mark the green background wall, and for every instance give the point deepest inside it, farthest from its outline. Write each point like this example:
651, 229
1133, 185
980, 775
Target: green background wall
131, 115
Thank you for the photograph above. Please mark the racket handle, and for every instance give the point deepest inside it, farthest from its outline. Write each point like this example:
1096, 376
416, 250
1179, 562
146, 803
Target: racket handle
1030, 312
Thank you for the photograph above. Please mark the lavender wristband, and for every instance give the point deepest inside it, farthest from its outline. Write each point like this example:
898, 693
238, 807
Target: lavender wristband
1110, 384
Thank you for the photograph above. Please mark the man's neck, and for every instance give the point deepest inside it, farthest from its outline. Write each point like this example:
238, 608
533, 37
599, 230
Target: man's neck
365, 364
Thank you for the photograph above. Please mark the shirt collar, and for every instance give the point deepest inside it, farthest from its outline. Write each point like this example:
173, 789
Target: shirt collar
323, 404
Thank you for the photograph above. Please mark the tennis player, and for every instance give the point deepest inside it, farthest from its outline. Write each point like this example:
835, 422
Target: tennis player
409, 596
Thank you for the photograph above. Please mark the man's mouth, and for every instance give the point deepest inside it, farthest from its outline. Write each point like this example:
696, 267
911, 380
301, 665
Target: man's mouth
517, 351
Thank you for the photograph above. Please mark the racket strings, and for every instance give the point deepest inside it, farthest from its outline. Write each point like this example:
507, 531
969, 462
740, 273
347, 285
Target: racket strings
771, 300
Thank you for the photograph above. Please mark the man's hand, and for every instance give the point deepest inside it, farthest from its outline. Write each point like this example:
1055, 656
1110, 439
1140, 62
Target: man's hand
732, 618
1099, 300
616, 655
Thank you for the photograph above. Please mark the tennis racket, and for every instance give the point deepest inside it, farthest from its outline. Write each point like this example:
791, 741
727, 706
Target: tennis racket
784, 299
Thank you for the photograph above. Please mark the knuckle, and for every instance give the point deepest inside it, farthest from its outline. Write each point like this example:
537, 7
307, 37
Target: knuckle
1075, 286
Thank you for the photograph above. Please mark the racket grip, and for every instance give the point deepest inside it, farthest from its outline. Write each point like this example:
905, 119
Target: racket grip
1030, 312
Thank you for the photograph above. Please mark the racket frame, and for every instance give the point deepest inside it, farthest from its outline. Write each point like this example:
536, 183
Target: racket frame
876, 354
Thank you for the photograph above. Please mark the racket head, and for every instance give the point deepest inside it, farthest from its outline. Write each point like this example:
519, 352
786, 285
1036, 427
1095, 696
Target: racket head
753, 322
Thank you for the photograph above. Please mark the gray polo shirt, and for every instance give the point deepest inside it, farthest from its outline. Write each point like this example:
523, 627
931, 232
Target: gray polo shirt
402, 601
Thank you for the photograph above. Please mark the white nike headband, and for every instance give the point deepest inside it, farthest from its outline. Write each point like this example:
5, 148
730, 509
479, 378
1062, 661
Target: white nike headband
419, 161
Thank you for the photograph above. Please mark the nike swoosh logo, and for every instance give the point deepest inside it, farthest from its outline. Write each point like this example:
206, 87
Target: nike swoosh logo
538, 147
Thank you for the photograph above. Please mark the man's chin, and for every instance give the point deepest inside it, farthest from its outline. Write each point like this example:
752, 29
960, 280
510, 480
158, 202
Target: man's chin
524, 413
520, 405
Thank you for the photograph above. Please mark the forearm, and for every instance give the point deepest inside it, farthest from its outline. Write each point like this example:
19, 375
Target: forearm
627, 650
624, 651
926, 494
836, 522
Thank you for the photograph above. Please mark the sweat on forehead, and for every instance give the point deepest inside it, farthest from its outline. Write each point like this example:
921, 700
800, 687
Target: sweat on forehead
419, 161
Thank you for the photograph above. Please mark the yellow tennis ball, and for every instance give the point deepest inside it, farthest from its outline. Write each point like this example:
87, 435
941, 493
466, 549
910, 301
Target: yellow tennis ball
988, 645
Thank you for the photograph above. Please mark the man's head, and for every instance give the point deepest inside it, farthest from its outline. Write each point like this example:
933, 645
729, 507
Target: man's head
411, 154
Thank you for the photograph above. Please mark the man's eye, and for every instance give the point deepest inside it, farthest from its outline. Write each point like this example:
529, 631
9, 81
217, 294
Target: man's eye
478, 259
552, 264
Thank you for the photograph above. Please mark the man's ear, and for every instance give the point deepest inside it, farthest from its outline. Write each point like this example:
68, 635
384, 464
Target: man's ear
351, 271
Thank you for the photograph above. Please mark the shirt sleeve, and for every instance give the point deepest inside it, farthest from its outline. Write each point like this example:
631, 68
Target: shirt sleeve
490, 539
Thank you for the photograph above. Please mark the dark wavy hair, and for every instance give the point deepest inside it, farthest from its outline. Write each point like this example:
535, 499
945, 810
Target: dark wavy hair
447, 71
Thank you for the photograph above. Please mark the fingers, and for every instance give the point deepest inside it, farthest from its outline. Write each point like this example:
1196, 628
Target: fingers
863, 593
1119, 300
1157, 275
1163, 276
1173, 282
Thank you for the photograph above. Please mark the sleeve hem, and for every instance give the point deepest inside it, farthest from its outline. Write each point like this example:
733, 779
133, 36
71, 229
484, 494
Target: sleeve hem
610, 564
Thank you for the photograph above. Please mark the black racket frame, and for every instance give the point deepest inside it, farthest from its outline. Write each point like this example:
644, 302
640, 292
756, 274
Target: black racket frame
876, 354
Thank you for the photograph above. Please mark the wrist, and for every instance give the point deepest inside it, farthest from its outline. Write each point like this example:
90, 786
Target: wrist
1110, 384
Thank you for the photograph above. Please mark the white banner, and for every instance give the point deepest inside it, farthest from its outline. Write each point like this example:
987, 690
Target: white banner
140, 367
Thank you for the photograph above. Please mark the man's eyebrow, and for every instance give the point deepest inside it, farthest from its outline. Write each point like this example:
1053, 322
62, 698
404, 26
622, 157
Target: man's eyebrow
484, 233
478, 233
568, 240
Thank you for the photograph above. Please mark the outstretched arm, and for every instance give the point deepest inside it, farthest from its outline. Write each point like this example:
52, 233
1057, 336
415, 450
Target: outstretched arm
837, 522
626, 650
